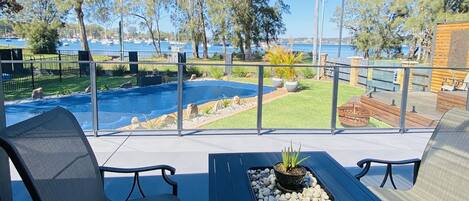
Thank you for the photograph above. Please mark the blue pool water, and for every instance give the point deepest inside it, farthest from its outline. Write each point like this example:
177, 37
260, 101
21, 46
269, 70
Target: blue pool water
117, 107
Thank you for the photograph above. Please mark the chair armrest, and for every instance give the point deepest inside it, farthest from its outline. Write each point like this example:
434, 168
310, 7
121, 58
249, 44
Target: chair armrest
365, 164
136, 171
139, 169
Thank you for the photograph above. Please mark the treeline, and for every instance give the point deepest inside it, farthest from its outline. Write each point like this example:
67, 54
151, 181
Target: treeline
242, 23
380, 28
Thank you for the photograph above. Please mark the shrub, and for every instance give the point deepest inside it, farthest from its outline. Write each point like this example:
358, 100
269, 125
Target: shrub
226, 103
99, 70
42, 38
118, 70
308, 73
194, 70
239, 72
216, 73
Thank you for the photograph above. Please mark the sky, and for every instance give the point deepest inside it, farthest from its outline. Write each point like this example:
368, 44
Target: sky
300, 21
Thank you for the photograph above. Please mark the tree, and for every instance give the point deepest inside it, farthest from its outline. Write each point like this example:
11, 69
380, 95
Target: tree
201, 23
42, 38
270, 21
78, 6
9, 6
220, 21
185, 18
150, 14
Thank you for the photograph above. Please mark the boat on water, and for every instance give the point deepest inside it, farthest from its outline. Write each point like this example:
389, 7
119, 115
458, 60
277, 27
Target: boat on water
115, 42
65, 44
106, 42
94, 41
176, 43
136, 41
8, 40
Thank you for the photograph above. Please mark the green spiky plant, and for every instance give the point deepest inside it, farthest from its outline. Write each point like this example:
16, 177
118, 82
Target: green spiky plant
291, 158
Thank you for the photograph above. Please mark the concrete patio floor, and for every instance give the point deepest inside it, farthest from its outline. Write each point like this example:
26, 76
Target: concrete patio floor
189, 155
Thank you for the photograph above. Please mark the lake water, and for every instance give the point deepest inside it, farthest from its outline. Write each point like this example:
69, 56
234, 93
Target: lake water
331, 50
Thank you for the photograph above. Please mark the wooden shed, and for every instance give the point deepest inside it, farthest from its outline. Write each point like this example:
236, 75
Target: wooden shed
451, 49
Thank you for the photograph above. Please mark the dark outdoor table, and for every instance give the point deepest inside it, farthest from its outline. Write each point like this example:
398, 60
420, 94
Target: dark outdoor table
228, 180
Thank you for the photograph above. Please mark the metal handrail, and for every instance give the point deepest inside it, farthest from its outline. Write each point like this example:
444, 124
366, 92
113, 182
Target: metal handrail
234, 64
260, 66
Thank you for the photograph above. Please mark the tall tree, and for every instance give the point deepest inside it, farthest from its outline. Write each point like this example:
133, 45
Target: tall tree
79, 7
202, 27
220, 22
270, 21
150, 14
185, 18
9, 6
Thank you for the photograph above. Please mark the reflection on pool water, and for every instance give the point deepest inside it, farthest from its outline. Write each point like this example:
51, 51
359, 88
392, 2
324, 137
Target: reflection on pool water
117, 107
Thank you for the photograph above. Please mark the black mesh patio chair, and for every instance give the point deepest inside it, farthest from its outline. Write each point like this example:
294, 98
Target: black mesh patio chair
443, 171
56, 162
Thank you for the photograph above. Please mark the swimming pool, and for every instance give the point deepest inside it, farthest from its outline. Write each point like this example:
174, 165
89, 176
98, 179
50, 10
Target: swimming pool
117, 107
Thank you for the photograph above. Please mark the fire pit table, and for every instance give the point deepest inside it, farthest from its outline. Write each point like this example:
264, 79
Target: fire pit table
229, 180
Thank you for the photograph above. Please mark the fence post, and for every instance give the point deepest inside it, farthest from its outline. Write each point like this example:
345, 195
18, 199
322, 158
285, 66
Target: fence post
354, 71
405, 91
60, 66
180, 87
5, 178
228, 64
335, 91
409, 64
94, 101
322, 63
32, 75
260, 93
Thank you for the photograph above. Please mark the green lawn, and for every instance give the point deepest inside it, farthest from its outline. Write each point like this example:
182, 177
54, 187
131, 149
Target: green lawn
68, 85
309, 108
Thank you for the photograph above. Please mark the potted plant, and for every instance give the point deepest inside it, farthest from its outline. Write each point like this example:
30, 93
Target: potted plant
289, 173
281, 56
274, 57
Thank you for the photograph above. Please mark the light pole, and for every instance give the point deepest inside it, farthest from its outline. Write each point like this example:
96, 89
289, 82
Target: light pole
316, 34
341, 27
121, 31
322, 30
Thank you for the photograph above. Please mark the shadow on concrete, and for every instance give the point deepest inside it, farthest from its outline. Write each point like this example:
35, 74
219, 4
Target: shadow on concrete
192, 187
195, 187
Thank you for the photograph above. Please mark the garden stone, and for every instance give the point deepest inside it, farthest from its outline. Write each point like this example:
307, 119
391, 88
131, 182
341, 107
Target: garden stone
134, 120
165, 120
271, 198
236, 100
192, 110
217, 106
37, 93
193, 77
88, 89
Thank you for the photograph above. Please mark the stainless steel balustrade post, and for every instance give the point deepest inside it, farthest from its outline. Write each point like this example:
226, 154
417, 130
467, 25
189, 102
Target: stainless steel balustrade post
405, 92
260, 93
180, 115
94, 99
335, 91
467, 99
5, 178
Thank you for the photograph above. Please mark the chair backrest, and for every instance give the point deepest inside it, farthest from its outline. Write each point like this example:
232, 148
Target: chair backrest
444, 171
54, 158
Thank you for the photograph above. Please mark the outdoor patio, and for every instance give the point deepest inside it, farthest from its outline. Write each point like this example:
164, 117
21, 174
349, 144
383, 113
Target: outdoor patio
189, 155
